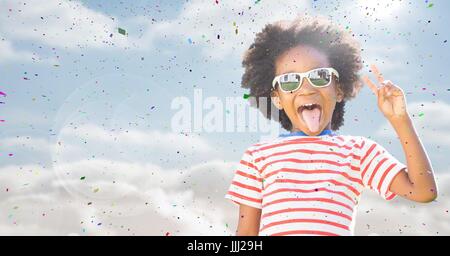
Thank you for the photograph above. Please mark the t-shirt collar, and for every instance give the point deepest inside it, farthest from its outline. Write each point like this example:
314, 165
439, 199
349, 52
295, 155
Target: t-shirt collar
300, 133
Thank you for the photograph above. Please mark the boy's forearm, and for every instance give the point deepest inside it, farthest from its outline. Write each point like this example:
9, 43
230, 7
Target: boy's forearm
420, 172
249, 221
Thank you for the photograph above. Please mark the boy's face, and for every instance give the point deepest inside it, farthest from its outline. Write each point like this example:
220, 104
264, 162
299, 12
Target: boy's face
310, 121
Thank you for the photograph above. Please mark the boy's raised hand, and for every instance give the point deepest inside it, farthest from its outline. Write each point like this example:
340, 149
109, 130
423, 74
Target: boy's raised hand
391, 99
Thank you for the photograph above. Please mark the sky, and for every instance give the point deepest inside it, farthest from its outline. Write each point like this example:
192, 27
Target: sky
91, 89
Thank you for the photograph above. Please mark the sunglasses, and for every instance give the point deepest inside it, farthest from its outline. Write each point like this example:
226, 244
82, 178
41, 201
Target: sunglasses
319, 77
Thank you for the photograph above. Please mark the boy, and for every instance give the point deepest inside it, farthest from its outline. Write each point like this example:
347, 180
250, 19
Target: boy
309, 181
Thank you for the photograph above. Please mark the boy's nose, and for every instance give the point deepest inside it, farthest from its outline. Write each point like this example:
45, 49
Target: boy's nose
307, 88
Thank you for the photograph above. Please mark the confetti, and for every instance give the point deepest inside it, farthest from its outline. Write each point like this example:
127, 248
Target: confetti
10, 154
189, 40
167, 233
122, 31
430, 5
257, 1
421, 114
234, 25
3, 94
96, 190
246, 96
82, 178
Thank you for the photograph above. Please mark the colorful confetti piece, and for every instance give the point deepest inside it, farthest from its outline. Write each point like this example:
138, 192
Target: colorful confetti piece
122, 31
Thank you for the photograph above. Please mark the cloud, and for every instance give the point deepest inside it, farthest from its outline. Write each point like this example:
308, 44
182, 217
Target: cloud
236, 23
134, 145
431, 119
26, 141
404, 217
382, 55
201, 22
217, 29
373, 12
148, 138
65, 24
8, 53
144, 199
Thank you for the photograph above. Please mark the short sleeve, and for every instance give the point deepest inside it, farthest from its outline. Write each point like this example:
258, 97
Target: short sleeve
378, 168
246, 185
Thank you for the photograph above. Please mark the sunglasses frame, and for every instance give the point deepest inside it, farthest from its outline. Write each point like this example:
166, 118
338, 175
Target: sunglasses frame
302, 76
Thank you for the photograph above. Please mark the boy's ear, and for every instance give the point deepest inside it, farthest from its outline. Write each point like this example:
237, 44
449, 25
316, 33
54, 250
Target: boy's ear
339, 93
276, 99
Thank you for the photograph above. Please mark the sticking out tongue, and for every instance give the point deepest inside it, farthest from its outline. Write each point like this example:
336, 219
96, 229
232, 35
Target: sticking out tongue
312, 119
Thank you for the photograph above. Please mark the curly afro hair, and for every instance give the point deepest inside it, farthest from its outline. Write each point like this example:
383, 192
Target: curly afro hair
276, 38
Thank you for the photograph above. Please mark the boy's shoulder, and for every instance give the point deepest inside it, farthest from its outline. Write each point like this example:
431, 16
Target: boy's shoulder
353, 139
341, 139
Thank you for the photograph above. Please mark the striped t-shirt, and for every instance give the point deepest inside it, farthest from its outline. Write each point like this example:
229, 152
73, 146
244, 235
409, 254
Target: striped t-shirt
311, 185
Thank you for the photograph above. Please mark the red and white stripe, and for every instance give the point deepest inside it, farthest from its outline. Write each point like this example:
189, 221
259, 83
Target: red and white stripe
311, 185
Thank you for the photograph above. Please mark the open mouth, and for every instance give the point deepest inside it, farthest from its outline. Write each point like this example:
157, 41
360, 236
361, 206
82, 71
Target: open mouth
311, 114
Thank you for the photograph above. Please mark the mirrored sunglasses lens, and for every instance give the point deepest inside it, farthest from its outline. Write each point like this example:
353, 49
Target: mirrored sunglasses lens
290, 82
320, 77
